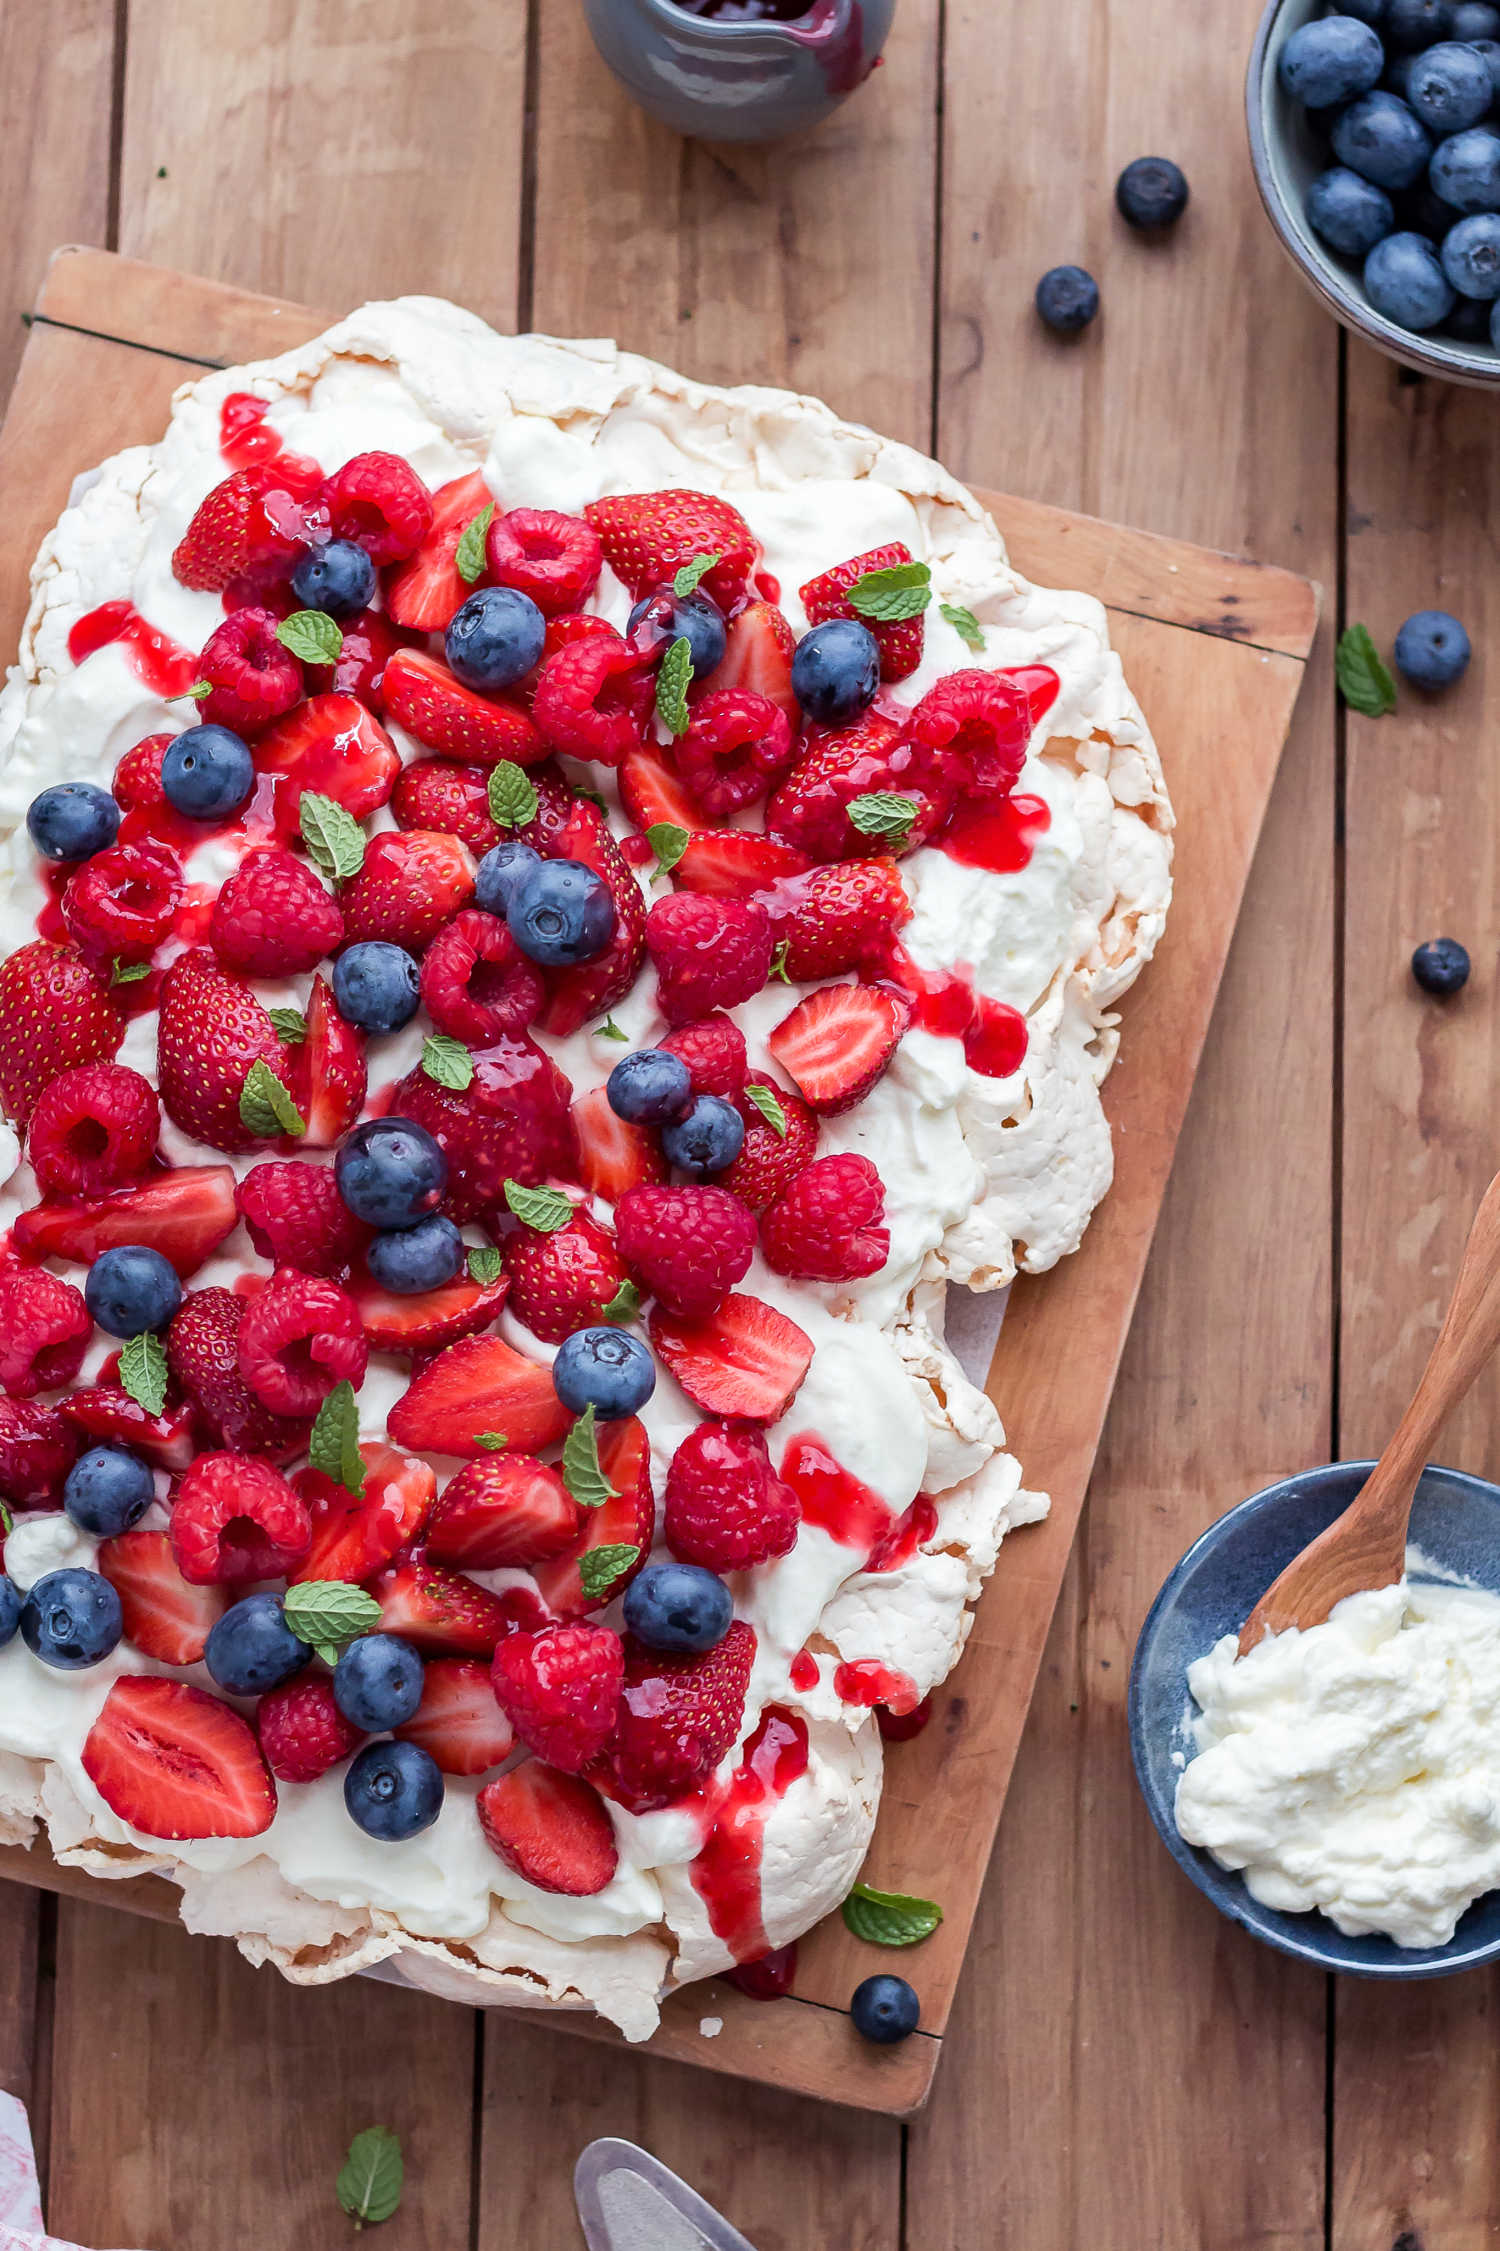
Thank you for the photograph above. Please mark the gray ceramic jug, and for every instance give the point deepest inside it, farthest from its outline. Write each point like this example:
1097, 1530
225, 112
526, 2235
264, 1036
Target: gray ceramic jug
725, 81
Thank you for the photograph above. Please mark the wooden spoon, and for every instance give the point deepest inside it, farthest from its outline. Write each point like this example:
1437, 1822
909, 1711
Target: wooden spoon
1366, 1546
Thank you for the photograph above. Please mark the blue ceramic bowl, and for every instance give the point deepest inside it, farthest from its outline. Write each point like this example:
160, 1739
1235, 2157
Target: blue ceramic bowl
1455, 1523
718, 80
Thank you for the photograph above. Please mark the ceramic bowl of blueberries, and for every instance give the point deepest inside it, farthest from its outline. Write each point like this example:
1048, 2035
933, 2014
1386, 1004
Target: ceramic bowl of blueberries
1455, 1523
1375, 137
740, 70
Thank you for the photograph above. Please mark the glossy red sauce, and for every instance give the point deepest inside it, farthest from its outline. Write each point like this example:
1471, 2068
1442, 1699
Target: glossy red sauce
846, 1510
768, 1977
998, 837
804, 1671
903, 1727
726, 1873
868, 1683
247, 439
905, 1536
995, 1043
158, 662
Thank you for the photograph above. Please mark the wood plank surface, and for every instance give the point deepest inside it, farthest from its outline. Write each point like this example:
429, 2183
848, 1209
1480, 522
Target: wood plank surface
57, 69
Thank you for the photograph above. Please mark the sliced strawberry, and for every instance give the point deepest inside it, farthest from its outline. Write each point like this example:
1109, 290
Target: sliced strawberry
425, 592
423, 696
458, 1722
758, 656
576, 996
551, 1828
440, 1612
356, 1535
175, 1762
431, 1319
735, 863
185, 1215
108, 1413
627, 1521
835, 1044
651, 792
747, 1360
501, 1510
325, 1073
477, 1387
614, 1155
165, 1617
334, 746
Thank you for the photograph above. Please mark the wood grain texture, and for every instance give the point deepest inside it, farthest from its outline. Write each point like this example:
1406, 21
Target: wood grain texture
56, 96
18, 1992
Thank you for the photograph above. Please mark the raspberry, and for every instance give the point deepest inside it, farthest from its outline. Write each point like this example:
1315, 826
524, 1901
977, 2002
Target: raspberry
203, 1354
297, 1340
273, 918
826, 1227
433, 793
44, 1332
123, 901
37, 1449
296, 1217
980, 722
736, 746
565, 1280
559, 1690
525, 1611
725, 1506
254, 678
709, 952
714, 1052
810, 808
770, 1161
379, 502
302, 1732
688, 1245
555, 559
845, 916
94, 1128
901, 643
513, 1122
137, 782
476, 982
677, 1717
582, 625
592, 699
235, 1518
410, 883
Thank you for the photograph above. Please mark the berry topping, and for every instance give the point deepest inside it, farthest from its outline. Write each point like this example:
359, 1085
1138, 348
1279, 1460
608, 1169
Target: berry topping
736, 745
809, 811
166, 1617
503, 1510
771, 1159
458, 1722
137, 784
885, 2009
378, 501
249, 521
651, 791
441, 1613
592, 698
333, 746
624, 1522
689, 1246
203, 1355
576, 996
338, 579
479, 1388
414, 1261
434, 793
553, 559
679, 1606
254, 678
55, 1011
234, 1518
124, 900
173, 1761
108, 1490
297, 1340
475, 985
563, 1279
836, 671
1067, 298
550, 1828
1441, 966
354, 1535
303, 1734
746, 1360
664, 617
511, 1122
37, 1448
559, 1690
499, 872
93, 1129
396, 1322
425, 592
410, 883
709, 953
72, 820
45, 1328
325, 1073
252, 1649
296, 1217
375, 985
734, 863
184, 1214
273, 918
72, 1620
210, 1032
677, 1718
726, 1508
707, 1140
650, 1087
421, 693
132, 1288
107, 1411
758, 657
901, 642
494, 639
561, 913
648, 537
378, 1682
826, 1227
835, 1044
606, 1369
845, 917
393, 1791
981, 722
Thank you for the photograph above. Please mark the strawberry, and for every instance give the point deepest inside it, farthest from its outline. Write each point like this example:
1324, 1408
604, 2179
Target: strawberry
871, 756
55, 1012
434, 793
564, 1280
559, 1689
106, 1414
627, 1521
758, 656
411, 882
325, 1073
648, 536
203, 1354
184, 1214
651, 792
835, 1044
511, 1122
440, 1612
37, 1449
735, 863
842, 917
825, 597
458, 1722
421, 694
332, 745
475, 1387
748, 1360
210, 1031
575, 996
356, 1535
501, 1510
551, 1829
677, 1718
165, 1617
425, 592
173, 1761
252, 523
769, 1161
431, 1318
614, 1155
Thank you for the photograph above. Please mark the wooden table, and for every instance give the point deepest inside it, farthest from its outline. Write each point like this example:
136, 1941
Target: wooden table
1126, 2070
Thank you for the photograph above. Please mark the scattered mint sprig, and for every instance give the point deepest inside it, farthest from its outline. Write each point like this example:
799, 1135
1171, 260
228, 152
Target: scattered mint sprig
544, 1209
266, 1108
328, 1614
672, 686
143, 1371
371, 2177
312, 637
334, 1444
890, 1918
965, 624
334, 839
447, 1062
581, 1471
1364, 682
469, 557
513, 797
891, 596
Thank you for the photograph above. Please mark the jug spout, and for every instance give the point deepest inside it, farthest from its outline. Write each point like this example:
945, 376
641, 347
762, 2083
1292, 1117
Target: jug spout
740, 70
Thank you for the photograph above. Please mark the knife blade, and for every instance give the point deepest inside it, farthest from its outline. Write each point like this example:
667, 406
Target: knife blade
629, 2201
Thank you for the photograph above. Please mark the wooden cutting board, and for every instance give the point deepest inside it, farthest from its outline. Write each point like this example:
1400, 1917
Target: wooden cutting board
1215, 649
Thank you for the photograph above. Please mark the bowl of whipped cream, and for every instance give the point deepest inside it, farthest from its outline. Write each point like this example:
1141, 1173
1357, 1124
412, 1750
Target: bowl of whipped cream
1337, 1790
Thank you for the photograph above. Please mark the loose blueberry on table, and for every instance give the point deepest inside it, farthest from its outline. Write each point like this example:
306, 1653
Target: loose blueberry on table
1067, 298
1441, 966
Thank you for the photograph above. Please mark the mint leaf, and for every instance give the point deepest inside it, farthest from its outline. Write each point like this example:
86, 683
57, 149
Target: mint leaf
625, 1304
764, 1098
334, 839
599, 1568
371, 2176
513, 798
668, 842
485, 1264
890, 1918
290, 1023
1364, 682
891, 596
312, 637
334, 1445
885, 815
328, 1614
199, 692
129, 972
965, 624
609, 1030
545, 1209
469, 557
7, 1521
266, 1108
778, 963
692, 575
493, 1441
581, 1473
672, 686
447, 1061
143, 1371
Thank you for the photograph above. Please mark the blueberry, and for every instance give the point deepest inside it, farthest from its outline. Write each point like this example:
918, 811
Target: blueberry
375, 985
650, 1087
409, 1260
1490, 49
1368, 11
1418, 23
72, 1619
1471, 256
390, 1172
678, 1606
10, 1609
1382, 140
885, 2009
252, 1648
501, 869
338, 579
1404, 281
1469, 321
1449, 87
72, 820
693, 618
1441, 966
377, 1683
132, 1288
393, 1791
606, 1369
1432, 649
1474, 20
836, 671
1152, 192
708, 1139
495, 639
1331, 61
561, 912
1465, 169
207, 773
107, 1490
1349, 213
1067, 297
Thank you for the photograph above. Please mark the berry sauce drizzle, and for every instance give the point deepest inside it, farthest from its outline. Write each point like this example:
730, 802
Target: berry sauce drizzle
998, 837
944, 1001
726, 1873
158, 662
831, 1498
868, 1683
804, 1671
247, 440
